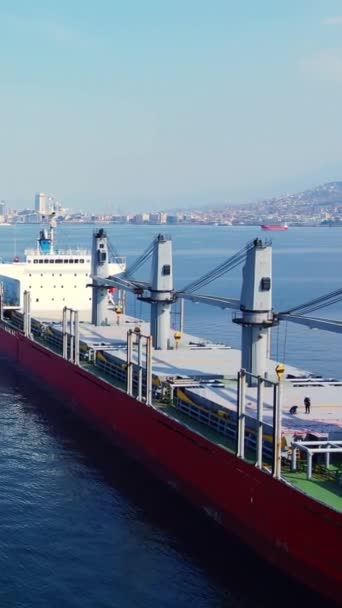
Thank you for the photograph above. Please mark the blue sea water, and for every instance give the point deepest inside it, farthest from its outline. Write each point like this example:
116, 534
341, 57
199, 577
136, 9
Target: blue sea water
81, 524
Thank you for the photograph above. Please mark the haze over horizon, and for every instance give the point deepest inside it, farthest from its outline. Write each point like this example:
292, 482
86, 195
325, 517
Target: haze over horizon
149, 105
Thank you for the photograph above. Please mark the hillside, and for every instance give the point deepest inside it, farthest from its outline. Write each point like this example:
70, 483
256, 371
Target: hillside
325, 194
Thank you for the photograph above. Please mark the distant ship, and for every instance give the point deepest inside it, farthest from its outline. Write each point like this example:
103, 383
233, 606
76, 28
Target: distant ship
274, 227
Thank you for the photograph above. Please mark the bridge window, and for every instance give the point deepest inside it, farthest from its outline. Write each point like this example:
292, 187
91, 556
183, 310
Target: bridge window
166, 270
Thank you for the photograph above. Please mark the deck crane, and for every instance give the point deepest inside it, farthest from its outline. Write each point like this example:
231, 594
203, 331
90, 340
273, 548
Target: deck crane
253, 311
299, 313
159, 292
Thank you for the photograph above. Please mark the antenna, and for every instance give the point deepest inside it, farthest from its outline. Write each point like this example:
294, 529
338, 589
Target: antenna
52, 226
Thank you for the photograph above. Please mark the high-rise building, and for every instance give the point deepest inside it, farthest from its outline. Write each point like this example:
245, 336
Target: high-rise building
141, 218
41, 203
158, 218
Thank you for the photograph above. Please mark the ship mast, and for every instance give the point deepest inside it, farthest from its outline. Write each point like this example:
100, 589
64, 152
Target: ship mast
52, 226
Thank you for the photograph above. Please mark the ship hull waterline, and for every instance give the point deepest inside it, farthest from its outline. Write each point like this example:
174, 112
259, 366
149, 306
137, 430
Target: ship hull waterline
299, 536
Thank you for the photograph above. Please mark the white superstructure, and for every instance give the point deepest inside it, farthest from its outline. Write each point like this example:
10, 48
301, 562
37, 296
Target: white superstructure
54, 277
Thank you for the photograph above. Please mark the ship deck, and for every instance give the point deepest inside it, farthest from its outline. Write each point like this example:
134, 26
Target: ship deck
321, 487
196, 360
203, 360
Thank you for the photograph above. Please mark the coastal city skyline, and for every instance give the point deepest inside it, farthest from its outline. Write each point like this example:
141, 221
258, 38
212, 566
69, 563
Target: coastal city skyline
318, 206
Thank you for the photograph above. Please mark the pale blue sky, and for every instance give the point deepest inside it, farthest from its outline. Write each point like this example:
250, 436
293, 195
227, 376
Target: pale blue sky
152, 104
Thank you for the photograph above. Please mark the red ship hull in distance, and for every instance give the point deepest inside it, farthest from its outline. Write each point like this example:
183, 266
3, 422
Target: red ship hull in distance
276, 227
300, 536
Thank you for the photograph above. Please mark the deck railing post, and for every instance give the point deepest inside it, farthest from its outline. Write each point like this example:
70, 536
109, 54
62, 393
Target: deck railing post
149, 370
140, 370
65, 333
77, 338
28, 334
25, 313
129, 362
277, 415
309, 461
327, 460
294, 459
1, 301
71, 326
260, 414
241, 413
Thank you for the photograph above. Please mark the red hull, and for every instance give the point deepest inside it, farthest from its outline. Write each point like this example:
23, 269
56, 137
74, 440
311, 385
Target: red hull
300, 536
274, 227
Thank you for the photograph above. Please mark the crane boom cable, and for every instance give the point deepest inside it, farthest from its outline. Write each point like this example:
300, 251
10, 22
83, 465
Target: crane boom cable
113, 250
319, 307
215, 275
139, 261
316, 304
218, 271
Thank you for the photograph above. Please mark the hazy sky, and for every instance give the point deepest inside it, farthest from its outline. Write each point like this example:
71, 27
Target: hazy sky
137, 104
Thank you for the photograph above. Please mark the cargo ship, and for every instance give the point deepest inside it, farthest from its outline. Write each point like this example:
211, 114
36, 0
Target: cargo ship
275, 227
216, 424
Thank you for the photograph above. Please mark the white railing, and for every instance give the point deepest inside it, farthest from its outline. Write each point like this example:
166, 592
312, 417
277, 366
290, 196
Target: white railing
314, 447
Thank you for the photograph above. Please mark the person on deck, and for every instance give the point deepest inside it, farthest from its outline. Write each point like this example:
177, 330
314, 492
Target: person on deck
307, 404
